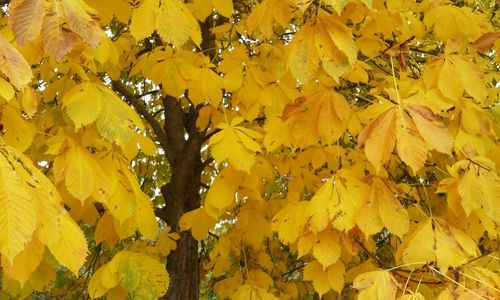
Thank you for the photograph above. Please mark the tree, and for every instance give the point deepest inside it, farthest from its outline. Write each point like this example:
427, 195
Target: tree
275, 149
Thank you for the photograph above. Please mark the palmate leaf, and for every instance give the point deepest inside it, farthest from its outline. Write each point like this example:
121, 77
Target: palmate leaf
235, 144
414, 129
321, 116
323, 39
436, 240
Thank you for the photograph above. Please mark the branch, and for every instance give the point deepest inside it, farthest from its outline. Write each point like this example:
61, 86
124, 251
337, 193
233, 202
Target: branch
120, 88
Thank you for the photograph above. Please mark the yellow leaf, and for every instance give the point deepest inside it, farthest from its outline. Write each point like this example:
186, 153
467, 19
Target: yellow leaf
18, 132
207, 87
448, 83
117, 293
139, 274
18, 217
315, 272
198, 221
29, 100
305, 244
412, 148
119, 9
144, 19
260, 278
435, 240
471, 77
105, 231
13, 65
25, 19
116, 121
337, 57
327, 247
57, 40
375, 285
382, 208
449, 21
453, 246
412, 296
96, 287
70, 249
253, 225
252, 292
458, 74
25, 263
166, 242
146, 219
6, 90
121, 203
420, 244
224, 7
379, 138
79, 176
476, 186
432, 130
303, 60
288, 221
221, 194
236, 145
323, 115
82, 20
176, 24
337, 202
83, 103
336, 274
201, 9
264, 16
317, 211
416, 129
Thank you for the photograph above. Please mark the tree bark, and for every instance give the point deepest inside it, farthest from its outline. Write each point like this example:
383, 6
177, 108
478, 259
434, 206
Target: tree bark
182, 194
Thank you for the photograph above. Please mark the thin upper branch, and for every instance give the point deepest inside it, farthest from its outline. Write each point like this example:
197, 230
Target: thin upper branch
120, 88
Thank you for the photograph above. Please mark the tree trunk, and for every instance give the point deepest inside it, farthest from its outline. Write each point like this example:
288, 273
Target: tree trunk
182, 194
182, 265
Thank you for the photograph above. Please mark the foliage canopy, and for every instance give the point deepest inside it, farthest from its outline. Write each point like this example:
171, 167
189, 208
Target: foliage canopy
274, 149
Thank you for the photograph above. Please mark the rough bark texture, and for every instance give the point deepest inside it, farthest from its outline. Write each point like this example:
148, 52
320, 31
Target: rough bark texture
182, 194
